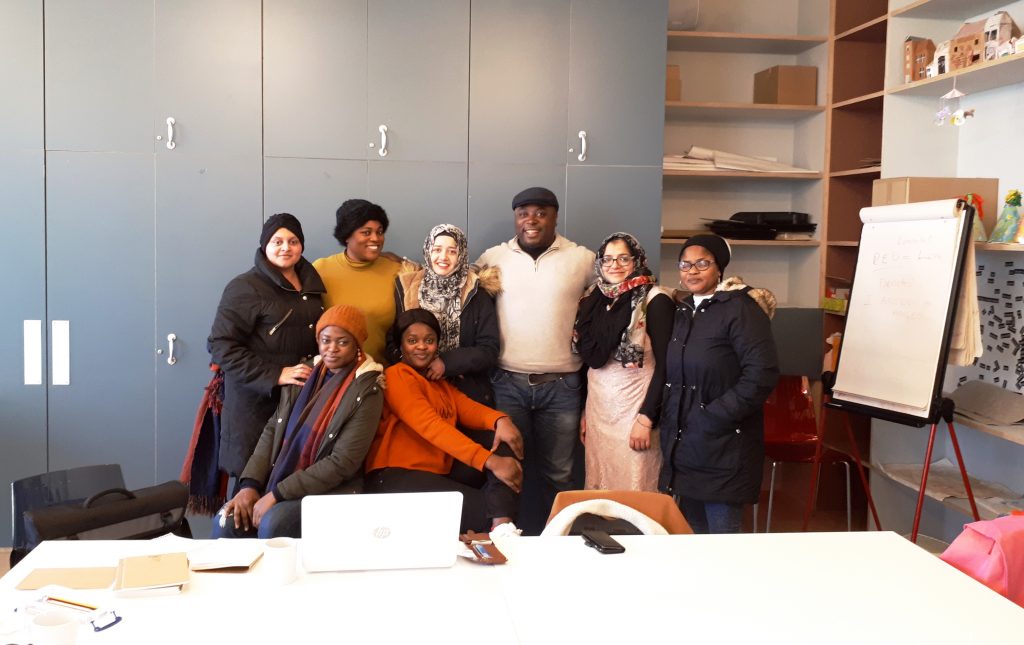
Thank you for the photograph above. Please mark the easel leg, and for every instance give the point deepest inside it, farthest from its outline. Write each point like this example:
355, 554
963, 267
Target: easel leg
860, 471
963, 471
924, 482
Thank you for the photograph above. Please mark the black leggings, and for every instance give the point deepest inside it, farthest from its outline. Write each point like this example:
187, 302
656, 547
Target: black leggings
484, 496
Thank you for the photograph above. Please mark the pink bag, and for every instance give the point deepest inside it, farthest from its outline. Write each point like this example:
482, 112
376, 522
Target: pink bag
992, 552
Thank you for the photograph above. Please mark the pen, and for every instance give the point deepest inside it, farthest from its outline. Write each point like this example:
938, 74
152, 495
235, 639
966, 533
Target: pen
70, 604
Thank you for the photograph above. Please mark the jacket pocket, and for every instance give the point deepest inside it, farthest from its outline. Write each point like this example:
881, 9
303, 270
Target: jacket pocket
710, 444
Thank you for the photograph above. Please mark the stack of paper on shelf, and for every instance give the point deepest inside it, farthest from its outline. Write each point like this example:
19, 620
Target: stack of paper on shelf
706, 159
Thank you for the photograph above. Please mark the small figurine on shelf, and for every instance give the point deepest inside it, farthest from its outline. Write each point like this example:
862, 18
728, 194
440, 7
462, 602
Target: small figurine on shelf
1008, 228
978, 230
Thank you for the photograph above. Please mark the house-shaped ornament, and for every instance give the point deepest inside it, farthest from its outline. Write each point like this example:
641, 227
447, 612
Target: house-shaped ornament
940, 61
999, 31
917, 54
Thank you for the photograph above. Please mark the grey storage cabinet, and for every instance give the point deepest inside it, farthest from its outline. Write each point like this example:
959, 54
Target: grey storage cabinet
23, 369
276, 106
134, 202
380, 86
547, 79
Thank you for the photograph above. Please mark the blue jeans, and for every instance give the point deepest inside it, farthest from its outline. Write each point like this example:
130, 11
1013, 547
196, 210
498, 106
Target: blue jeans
712, 517
284, 519
548, 415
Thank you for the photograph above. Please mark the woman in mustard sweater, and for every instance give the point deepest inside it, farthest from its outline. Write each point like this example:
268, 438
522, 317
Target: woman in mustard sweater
362, 275
418, 447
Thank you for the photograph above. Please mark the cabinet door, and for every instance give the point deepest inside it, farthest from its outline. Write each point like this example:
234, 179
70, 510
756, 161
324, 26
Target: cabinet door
418, 84
616, 81
314, 76
417, 196
99, 268
519, 63
312, 190
491, 188
23, 315
602, 200
99, 232
99, 69
208, 189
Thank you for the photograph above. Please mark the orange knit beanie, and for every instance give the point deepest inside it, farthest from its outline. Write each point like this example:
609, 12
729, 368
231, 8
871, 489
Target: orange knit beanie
348, 318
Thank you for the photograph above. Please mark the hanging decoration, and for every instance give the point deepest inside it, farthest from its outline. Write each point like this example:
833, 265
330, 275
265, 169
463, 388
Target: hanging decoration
950, 110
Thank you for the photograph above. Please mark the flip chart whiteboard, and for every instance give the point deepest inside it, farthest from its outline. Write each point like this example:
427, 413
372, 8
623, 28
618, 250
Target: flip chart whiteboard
900, 314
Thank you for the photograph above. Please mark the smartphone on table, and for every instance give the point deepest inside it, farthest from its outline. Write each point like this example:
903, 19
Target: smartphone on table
601, 541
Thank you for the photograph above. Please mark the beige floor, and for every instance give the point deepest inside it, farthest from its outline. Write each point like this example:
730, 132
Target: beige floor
5, 555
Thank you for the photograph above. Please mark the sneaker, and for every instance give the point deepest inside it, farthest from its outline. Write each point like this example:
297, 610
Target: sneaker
506, 529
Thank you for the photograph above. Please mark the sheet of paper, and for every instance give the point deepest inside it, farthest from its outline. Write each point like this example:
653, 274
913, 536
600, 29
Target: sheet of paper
70, 577
225, 554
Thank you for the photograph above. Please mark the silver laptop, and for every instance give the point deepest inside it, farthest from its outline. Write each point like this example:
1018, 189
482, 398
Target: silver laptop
380, 531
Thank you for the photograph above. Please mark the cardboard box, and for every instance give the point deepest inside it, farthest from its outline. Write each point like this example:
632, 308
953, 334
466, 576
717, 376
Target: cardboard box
673, 85
787, 85
906, 190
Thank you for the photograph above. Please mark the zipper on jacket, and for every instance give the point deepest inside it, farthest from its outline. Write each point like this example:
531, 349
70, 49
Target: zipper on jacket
682, 400
278, 325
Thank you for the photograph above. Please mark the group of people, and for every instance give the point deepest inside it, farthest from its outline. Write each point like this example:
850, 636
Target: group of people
366, 372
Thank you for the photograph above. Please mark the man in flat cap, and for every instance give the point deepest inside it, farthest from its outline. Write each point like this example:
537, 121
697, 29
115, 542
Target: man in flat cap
538, 382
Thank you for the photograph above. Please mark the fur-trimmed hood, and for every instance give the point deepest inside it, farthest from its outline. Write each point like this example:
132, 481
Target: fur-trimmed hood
763, 297
410, 277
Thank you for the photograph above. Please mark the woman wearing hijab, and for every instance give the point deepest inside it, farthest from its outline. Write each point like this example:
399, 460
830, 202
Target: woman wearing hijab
419, 446
462, 300
316, 440
260, 335
722, 366
622, 330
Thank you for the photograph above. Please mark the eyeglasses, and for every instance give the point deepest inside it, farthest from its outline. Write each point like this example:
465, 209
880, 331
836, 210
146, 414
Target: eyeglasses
702, 265
622, 260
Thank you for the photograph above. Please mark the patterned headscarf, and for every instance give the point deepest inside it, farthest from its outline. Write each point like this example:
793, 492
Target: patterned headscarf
605, 322
442, 295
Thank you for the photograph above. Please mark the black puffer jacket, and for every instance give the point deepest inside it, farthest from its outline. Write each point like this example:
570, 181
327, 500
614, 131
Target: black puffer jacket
469, 365
721, 366
262, 325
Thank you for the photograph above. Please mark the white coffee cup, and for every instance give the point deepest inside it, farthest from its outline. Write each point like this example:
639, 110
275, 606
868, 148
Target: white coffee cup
280, 556
54, 628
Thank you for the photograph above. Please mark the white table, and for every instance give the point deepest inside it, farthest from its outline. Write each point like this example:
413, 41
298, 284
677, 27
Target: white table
769, 588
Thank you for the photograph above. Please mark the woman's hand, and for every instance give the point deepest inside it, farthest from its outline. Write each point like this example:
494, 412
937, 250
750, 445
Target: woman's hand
294, 375
261, 508
583, 428
435, 370
640, 434
240, 506
506, 432
507, 469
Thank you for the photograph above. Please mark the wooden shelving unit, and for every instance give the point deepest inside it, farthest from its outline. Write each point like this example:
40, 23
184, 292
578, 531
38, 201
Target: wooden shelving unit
718, 111
956, 9
976, 78
993, 246
870, 170
739, 174
727, 42
666, 239
1013, 434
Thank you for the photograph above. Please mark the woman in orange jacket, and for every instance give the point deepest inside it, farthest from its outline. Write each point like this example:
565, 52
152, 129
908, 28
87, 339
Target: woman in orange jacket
420, 447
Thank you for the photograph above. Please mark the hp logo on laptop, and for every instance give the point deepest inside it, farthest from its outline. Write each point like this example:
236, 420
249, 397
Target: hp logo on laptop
381, 532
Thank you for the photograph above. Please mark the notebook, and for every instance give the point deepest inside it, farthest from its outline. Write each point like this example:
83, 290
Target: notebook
151, 574
380, 531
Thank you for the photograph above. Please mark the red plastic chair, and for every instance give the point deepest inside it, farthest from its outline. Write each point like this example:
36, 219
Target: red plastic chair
791, 436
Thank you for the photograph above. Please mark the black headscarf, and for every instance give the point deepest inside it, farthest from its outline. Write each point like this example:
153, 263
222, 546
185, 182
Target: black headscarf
608, 314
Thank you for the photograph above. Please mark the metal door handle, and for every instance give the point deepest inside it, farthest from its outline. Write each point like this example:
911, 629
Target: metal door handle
171, 359
583, 145
60, 352
170, 133
33, 348
383, 150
